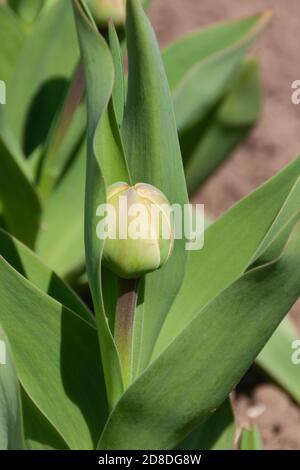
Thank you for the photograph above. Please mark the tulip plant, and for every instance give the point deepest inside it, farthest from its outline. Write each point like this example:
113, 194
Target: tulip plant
170, 332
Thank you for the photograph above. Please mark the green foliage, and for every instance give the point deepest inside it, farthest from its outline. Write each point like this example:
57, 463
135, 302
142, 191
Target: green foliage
251, 439
200, 321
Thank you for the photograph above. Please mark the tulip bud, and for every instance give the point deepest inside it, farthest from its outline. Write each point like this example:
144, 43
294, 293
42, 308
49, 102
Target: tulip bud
143, 237
102, 10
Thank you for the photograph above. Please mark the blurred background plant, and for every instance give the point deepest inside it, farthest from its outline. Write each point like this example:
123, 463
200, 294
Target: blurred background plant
216, 91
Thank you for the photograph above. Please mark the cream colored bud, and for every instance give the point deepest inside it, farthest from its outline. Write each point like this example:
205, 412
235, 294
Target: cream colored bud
143, 238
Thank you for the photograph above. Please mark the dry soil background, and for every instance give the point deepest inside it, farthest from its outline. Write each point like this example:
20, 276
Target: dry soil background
272, 144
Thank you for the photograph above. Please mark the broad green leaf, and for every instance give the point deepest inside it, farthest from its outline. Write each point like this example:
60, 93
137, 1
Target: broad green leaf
20, 204
104, 162
61, 238
40, 79
276, 359
11, 422
29, 265
11, 40
236, 324
229, 247
152, 149
215, 433
57, 359
200, 65
209, 142
251, 439
40, 434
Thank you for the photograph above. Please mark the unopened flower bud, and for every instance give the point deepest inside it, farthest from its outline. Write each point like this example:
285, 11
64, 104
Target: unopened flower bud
142, 236
102, 10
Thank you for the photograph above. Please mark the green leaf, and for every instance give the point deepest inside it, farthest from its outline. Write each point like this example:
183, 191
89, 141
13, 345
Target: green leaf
45, 336
27, 11
29, 265
118, 94
251, 439
276, 359
201, 65
209, 142
66, 133
215, 433
11, 39
13, 147
20, 204
11, 422
241, 105
40, 434
153, 153
104, 163
41, 76
236, 324
230, 245
61, 242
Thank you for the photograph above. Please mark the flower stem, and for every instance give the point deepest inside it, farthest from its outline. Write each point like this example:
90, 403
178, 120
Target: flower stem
124, 325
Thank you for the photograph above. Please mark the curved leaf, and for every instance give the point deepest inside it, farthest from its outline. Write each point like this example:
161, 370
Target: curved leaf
57, 359
209, 142
200, 65
40, 434
104, 162
231, 244
32, 268
201, 363
153, 153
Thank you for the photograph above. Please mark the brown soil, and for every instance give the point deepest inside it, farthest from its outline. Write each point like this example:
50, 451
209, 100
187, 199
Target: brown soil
271, 145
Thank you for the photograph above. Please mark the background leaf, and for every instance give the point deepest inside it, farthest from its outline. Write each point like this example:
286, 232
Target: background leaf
215, 433
275, 359
11, 38
41, 76
251, 439
200, 65
208, 143
11, 422
20, 206
66, 134
61, 239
